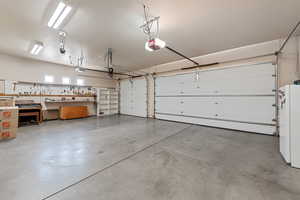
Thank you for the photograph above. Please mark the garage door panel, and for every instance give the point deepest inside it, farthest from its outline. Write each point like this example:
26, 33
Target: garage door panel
169, 105
124, 97
168, 85
231, 81
242, 94
200, 106
249, 80
133, 97
247, 109
244, 109
255, 128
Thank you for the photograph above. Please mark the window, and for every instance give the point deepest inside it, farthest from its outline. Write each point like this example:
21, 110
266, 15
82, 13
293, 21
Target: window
66, 80
80, 82
49, 79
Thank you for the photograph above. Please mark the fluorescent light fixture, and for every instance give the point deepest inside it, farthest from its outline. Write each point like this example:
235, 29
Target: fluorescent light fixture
62, 17
80, 82
61, 6
37, 47
155, 44
66, 80
59, 15
49, 79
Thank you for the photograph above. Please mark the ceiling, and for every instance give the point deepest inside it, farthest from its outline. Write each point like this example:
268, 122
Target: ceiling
194, 27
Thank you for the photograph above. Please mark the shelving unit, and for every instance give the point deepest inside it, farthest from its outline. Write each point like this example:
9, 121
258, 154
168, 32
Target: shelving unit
107, 101
50, 96
18, 88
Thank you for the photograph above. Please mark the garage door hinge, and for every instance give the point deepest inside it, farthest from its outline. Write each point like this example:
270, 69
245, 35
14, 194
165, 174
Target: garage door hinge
274, 75
274, 90
274, 120
274, 105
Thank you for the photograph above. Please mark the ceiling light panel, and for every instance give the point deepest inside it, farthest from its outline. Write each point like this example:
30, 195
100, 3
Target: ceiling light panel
65, 13
37, 48
61, 12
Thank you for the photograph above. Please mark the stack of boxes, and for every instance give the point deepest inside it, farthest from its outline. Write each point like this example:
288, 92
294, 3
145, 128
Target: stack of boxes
8, 119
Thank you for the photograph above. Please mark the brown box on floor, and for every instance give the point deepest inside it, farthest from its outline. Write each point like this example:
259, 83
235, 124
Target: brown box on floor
8, 122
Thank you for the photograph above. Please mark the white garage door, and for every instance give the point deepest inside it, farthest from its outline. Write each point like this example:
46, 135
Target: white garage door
133, 97
240, 97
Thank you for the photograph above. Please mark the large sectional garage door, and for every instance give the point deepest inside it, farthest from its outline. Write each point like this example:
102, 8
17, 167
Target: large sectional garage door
240, 97
133, 97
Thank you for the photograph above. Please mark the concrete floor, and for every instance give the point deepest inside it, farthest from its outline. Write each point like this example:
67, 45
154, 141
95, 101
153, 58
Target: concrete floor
128, 158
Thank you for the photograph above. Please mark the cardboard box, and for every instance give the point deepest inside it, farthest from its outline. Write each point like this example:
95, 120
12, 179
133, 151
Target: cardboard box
8, 134
8, 122
7, 102
9, 113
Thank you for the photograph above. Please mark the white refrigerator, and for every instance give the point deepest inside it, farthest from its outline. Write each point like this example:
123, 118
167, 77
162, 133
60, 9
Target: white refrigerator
289, 122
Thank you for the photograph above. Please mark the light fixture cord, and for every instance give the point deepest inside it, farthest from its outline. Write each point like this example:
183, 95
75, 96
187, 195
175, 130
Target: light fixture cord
147, 29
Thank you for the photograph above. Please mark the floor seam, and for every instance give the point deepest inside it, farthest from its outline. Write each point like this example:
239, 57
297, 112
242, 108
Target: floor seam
114, 164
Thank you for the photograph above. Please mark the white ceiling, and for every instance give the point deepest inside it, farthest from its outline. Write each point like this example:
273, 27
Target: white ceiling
194, 27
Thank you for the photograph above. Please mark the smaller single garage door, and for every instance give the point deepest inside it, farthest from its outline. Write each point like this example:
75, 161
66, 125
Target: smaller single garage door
239, 97
133, 97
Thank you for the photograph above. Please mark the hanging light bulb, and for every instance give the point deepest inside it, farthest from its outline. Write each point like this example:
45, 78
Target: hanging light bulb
155, 44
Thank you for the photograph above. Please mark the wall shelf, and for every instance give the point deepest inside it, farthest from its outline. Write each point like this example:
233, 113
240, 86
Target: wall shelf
45, 95
107, 102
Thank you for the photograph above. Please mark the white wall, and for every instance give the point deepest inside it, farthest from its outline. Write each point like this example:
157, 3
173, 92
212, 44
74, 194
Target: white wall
248, 54
288, 62
232, 55
23, 69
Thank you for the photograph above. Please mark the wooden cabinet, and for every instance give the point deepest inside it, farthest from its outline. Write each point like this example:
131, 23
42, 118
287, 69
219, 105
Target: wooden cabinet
73, 112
